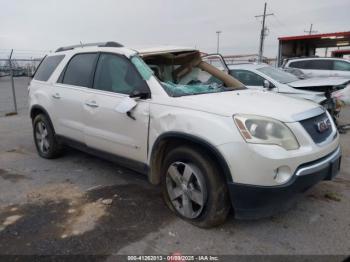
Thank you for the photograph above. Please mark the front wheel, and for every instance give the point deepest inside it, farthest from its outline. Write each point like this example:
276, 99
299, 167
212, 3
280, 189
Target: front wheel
44, 138
193, 187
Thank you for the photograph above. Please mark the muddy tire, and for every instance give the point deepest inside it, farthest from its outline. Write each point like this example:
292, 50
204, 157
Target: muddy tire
44, 138
193, 187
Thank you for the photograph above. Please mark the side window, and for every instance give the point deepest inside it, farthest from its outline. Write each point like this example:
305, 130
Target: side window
320, 64
298, 64
248, 78
341, 66
117, 74
79, 70
47, 67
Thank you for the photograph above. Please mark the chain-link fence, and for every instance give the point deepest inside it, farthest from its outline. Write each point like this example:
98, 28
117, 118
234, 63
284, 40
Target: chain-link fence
12, 103
15, 75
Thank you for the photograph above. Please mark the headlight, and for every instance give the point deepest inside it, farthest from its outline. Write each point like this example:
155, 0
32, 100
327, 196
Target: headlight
263, 130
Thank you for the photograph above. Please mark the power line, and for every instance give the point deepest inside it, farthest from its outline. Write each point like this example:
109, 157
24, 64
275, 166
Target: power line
288, 28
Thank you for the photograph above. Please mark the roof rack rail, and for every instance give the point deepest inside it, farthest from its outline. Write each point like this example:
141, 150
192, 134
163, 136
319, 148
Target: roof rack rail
104, 44
298, 57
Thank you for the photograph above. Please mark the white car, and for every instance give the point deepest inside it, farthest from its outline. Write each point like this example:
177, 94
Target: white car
259, 76
191, 128
320, 67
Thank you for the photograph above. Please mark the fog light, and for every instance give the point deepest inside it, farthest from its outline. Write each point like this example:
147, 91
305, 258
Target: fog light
282, 174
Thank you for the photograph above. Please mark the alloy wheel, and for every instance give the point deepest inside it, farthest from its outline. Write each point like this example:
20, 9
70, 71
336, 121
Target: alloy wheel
186, 189
41, 137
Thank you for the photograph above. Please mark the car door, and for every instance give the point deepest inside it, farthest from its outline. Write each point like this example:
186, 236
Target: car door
70, 93
320, 67
301, 65
107, 128
313, 67
216, 60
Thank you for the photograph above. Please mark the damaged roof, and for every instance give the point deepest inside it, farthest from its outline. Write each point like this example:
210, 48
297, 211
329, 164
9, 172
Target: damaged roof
164, 50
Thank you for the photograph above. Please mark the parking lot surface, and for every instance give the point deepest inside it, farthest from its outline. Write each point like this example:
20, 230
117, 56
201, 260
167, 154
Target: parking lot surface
80, 204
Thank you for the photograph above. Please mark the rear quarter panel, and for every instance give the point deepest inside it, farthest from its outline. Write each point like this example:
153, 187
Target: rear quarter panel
40, 95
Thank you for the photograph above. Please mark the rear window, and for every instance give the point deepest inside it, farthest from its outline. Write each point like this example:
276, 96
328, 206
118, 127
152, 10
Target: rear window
79, 71
46, 68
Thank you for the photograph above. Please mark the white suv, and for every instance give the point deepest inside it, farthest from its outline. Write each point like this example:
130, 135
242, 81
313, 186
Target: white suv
320, 67
190, 127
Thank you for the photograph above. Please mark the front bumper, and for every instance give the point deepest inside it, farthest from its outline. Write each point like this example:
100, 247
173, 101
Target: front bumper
252, 202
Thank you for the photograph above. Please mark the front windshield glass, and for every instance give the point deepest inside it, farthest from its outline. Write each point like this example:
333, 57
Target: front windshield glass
278, 75
186, 74
141, 66
195, 82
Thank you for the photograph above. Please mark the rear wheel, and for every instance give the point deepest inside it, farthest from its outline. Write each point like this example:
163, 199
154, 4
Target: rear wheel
44, 138
193, 187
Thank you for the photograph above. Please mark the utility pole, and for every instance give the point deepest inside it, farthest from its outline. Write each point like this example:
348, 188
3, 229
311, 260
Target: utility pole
262, 33
310, 31
218, 40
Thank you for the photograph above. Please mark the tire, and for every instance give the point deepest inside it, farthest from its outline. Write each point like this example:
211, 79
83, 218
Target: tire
200, 196
44, 138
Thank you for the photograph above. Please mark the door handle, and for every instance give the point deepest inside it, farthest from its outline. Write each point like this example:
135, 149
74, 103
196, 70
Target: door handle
56, 96
92, 104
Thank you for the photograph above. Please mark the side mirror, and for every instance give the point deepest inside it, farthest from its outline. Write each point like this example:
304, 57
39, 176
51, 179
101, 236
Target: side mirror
126, 105
140, 94
268, 85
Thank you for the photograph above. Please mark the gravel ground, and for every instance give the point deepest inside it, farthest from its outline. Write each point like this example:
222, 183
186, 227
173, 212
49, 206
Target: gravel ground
79, 204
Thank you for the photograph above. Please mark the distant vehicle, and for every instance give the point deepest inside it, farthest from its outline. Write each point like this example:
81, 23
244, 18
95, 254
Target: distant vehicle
194, 130
320, 67
259, 76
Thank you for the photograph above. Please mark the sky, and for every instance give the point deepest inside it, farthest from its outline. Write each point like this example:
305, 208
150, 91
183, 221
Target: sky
36, 26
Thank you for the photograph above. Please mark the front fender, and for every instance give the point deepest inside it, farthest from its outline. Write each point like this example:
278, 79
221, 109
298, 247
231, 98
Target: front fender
213, 128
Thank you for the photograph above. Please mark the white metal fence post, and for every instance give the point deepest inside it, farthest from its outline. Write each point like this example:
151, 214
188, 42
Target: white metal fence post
13, 84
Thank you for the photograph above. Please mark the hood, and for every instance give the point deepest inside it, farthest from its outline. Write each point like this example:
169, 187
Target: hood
325, 81
316, 97
254, 102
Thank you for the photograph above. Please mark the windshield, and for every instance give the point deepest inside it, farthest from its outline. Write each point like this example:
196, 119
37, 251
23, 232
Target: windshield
141, 66
278, 75
186, 74
194, 83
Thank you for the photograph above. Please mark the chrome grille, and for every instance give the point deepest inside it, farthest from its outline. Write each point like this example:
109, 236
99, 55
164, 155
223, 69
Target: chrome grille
315, 127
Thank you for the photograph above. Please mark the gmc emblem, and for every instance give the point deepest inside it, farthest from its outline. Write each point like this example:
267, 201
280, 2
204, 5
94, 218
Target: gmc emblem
323, 125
